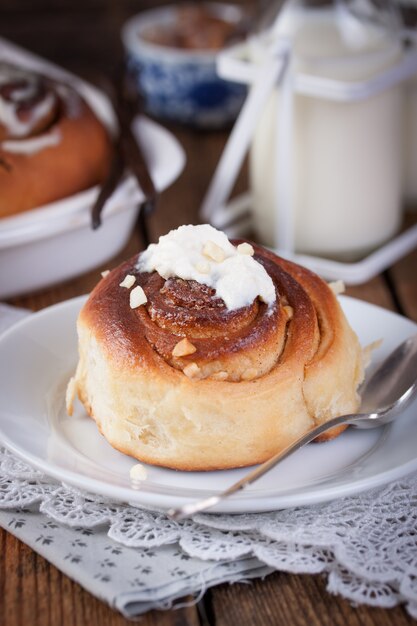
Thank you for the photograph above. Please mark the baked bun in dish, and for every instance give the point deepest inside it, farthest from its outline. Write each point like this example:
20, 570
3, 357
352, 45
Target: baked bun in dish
203, 353
52, 145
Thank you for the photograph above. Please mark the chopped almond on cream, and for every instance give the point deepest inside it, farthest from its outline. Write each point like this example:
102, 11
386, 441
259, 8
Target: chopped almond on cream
105, 273
137, 297
184, 348
245, 248
192, 370
203, 267
128, 281
212, 251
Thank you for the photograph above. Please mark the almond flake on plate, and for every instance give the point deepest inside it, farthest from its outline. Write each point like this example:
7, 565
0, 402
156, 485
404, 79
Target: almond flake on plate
138, 472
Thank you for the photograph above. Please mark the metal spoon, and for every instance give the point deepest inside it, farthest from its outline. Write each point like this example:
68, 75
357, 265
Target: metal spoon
386, 393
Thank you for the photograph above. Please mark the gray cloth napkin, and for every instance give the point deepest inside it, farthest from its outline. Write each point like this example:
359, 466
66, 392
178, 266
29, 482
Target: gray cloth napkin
130, 580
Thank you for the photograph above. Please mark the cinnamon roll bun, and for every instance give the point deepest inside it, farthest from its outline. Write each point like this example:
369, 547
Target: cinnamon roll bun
205, 354
51, 143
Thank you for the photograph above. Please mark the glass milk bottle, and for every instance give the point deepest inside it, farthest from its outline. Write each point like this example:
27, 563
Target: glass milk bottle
408, 10
346, 156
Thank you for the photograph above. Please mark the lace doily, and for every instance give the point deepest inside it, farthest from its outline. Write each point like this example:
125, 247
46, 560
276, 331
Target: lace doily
366, 544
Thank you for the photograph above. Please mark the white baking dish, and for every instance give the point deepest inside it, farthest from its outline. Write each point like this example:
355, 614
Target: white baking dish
55, 242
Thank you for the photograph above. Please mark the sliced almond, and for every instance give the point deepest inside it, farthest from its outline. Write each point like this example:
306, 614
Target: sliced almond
246, 248
105, 273
220, 376
289, 311
249, 374
203, 267
137, 297
192, 370
212, 251
138, 472
337, 286
183, 348
128, 281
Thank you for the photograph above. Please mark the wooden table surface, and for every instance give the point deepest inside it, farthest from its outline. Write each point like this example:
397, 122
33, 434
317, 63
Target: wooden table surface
83, 36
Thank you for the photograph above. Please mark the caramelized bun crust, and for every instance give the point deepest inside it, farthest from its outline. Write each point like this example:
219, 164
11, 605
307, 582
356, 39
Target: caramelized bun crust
258, 379
76, 158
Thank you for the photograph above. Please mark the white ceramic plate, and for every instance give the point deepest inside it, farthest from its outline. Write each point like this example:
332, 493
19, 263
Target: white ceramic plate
38, 355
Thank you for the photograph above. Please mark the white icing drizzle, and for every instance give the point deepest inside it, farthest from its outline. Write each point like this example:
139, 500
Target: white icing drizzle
237, 278
26, 91
19, 95
32, 145
17, 128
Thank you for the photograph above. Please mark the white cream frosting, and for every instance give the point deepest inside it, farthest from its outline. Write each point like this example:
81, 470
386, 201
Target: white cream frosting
8, 109
17, 128
238, 279
32, 145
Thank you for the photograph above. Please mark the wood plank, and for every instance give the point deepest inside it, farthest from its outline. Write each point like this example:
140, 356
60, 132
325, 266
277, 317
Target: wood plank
84, 37
35, 592
374, 291
288, 599
404, 275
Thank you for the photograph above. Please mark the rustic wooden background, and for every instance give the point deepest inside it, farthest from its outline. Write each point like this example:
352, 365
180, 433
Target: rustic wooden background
83, 36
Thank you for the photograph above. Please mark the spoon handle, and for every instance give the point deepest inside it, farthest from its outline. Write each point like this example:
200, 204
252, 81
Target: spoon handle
201, 505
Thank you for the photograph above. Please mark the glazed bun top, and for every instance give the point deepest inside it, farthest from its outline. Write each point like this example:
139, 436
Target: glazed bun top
301, 321
52, 145
30, 103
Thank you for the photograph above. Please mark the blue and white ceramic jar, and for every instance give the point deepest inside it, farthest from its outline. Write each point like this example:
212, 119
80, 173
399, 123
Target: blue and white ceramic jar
178, 84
